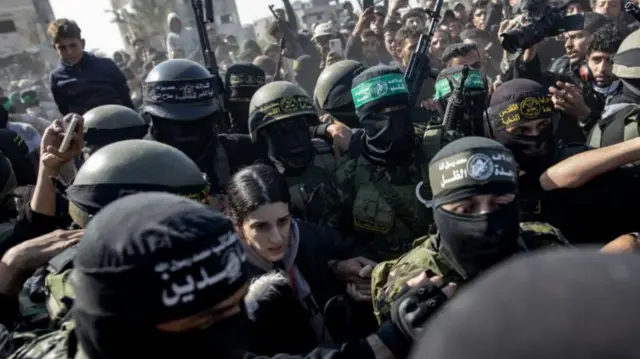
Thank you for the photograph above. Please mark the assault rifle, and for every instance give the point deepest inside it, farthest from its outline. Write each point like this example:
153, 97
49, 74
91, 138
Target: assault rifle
278, 75
419, 66
204, 15
455, 108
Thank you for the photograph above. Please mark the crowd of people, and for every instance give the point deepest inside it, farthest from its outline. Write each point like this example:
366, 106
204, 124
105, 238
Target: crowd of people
154, 209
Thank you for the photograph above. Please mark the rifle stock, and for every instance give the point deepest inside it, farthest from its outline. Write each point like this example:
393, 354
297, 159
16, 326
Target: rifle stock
419, 65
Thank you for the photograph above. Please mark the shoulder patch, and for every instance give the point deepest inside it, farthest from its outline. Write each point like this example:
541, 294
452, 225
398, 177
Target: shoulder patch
540, 234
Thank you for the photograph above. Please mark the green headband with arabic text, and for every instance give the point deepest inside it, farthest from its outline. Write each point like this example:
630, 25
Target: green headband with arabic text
379, 87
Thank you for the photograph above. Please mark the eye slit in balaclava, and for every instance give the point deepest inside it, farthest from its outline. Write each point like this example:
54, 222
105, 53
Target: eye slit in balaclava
469, 167
381, 99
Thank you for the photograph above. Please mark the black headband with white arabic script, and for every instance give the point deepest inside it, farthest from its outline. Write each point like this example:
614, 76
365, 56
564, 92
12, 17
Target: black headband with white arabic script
176, 92
183, 285
472, 169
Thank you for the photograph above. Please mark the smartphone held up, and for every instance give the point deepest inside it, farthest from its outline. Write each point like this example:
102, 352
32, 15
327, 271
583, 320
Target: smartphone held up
69, 133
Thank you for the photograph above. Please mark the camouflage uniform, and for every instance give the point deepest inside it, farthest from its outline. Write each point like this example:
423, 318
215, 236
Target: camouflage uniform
276, 106
385, 214
60, 344
389, 278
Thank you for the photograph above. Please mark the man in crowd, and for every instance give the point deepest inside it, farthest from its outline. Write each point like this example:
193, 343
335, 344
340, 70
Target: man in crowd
83, 81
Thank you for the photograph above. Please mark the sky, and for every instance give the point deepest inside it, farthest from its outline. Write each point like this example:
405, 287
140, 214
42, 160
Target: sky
100, 33
96, 27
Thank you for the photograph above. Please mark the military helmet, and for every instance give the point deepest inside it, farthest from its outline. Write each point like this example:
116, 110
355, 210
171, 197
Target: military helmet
626, 64
107, 124
277, 101
180, 90
333, 88
132, 166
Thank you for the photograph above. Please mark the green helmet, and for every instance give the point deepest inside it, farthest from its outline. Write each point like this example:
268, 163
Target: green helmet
107, 124
277, 101
625, 63
331, 79
132, 166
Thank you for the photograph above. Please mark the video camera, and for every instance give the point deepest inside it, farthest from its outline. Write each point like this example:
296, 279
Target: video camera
543, 21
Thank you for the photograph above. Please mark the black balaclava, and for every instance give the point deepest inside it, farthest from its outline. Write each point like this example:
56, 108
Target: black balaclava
288, 144
187, 259
474, 100
520, 101
197, 138
574, 303
381, 98
469, 167
241, 82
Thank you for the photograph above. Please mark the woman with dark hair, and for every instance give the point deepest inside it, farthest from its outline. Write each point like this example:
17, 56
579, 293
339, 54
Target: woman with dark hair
311, 257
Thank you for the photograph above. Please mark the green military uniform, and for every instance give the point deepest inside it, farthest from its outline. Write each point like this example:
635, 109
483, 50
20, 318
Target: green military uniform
272, 105
130, 166
60, 344
389, 278
386, 214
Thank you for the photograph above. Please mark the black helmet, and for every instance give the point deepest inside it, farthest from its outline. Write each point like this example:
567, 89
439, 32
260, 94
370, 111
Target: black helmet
107, 124
180, 90
277, 101
333, 88
131, 166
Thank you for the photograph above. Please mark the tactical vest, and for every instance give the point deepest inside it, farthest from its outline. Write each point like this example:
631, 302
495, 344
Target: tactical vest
621, 126
60, 291
304, 188
60, 344
389, 278
389, 214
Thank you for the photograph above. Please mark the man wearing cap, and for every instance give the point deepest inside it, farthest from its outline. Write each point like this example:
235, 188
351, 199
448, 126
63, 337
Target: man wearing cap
322, 34
476, 212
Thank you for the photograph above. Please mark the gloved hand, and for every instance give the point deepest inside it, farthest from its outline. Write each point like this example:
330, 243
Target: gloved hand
410, 312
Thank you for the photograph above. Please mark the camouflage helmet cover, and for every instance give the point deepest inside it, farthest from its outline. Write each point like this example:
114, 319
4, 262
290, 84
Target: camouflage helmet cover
277, 101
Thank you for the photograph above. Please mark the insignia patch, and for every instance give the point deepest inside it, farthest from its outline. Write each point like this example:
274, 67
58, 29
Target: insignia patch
480, 167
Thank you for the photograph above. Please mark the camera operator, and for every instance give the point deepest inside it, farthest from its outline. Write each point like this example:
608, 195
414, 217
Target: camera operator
596, 73
564, 70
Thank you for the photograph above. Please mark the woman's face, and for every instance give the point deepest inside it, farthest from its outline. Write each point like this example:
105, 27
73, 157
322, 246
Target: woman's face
268, 230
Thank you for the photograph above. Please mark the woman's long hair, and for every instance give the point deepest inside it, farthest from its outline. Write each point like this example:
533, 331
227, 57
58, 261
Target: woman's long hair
252, 187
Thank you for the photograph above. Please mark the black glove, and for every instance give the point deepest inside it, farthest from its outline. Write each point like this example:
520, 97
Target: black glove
411, 310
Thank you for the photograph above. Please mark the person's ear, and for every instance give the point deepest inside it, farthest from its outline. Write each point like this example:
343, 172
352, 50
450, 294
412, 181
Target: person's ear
83, 43
239, 232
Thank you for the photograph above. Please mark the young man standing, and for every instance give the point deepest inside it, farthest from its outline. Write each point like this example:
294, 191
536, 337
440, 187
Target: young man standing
83, 81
